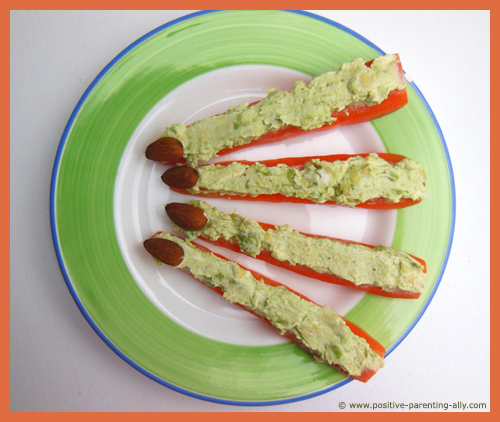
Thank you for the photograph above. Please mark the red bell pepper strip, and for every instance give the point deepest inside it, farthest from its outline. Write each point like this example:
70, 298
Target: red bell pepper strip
374, 344
298, 163
348, 116
266, 256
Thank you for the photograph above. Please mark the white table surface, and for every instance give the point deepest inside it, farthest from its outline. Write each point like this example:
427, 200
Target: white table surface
58, 363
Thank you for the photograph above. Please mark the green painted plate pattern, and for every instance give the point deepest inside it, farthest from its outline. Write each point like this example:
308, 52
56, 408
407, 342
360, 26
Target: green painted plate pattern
84, 181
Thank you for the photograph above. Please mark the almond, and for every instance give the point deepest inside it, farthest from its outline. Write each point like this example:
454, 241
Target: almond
180, 177
186, 216
164, 250
165, 150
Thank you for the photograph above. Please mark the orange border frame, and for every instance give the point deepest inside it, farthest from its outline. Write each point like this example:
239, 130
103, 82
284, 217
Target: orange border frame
243, 413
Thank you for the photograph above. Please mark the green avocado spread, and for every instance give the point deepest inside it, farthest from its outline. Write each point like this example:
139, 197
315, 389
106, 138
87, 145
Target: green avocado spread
307, 106
320, 329
347, 182
380, 266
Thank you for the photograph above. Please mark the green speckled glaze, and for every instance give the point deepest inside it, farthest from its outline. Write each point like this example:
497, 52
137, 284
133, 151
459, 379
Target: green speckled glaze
86, 177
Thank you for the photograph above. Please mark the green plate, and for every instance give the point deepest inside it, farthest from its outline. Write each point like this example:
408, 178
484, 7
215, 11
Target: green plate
104, 142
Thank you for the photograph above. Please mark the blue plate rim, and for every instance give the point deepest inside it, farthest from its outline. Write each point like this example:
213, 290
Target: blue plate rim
103, 336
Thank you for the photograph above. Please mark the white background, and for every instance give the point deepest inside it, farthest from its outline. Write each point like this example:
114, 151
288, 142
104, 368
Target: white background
58, 363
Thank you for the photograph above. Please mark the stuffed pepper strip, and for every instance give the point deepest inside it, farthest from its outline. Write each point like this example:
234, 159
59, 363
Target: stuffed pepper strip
319, 330
374, 269
365, 180
355, 93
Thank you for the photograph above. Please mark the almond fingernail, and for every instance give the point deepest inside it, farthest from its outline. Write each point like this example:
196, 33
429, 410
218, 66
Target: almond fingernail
186, 216
165, 150
180, 177
164, 250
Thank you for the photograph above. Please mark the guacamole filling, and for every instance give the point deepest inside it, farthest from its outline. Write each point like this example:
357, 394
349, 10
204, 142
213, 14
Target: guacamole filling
347, 182
380, 266
320, 329
307, 106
